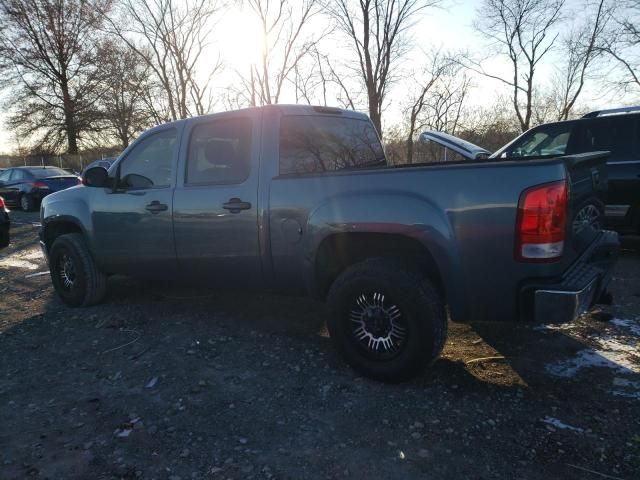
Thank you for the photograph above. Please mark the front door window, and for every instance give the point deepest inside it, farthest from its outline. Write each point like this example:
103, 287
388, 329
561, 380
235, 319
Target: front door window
148, 165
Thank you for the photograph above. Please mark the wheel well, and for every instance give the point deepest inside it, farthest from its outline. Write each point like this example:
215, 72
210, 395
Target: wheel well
54, 230
338, 252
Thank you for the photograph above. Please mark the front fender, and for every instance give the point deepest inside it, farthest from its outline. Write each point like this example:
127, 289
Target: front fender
67, 206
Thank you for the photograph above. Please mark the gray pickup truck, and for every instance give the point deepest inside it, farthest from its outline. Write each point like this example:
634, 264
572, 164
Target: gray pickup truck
300, 199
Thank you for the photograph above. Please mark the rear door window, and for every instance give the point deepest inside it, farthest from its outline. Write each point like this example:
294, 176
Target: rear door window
17, 176
617, 135
318, 144
219, 152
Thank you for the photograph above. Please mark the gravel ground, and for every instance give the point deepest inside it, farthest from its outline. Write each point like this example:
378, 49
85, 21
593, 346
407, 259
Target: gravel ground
167, 383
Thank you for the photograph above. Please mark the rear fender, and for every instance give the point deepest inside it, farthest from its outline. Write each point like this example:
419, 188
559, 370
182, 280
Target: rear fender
396, 213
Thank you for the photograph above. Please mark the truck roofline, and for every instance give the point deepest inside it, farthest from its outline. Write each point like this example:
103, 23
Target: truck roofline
285, 109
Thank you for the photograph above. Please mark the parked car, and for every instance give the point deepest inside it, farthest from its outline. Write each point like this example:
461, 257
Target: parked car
616, 131
5, 224
300, 199
25, 187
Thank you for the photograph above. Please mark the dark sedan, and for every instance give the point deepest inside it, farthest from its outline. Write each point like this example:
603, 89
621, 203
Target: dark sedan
27, 186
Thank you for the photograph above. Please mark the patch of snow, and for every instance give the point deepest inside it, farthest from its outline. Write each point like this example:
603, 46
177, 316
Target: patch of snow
617, 348
622, 393
555, 326
616, 360
626, 388
623, 382
632, 326
29, 260
559, 424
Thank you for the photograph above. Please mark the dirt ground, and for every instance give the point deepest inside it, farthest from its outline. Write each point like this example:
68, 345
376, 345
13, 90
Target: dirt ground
170, 383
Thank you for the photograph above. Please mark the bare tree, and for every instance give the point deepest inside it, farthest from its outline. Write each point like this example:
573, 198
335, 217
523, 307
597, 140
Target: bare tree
172, 37
623, 44
490, 126
46, 58
420, 99
316, 80
378, 32
125, 85
440, 104
524, 32
286, 42
581, 48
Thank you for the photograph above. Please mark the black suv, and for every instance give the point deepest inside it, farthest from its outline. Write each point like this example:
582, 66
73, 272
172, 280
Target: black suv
616, 131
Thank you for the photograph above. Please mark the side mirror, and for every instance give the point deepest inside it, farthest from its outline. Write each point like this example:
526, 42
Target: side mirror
96, 177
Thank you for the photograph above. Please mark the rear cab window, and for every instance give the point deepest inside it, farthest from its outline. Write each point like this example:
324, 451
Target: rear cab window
322, 143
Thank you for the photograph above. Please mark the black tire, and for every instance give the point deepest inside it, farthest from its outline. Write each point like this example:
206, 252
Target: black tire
26, 202
79, 283
4, 238
422, 318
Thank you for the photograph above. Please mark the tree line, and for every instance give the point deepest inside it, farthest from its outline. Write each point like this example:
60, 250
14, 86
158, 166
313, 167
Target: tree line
79, 74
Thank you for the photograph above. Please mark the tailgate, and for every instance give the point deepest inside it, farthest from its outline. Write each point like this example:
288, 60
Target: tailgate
587, 177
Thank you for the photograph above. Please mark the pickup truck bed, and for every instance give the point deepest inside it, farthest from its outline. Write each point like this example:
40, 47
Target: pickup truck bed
465, 213
299, 199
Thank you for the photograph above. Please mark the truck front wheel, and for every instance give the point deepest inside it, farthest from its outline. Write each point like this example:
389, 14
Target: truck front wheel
387, 320
75, 277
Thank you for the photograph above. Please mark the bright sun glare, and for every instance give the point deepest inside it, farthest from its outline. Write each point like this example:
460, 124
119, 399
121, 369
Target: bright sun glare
239, 39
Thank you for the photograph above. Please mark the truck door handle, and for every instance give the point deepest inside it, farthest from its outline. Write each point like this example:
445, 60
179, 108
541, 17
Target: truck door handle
156, 207
234, 205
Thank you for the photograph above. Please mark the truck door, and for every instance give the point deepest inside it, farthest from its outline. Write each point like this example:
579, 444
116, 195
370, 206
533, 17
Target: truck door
215, 203
132, 226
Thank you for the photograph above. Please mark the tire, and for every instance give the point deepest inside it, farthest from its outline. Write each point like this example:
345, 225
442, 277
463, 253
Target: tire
78, 283
387, 320
26, 202
4, 238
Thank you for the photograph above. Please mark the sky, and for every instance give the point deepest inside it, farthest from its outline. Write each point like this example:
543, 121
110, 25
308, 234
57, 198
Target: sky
449, 28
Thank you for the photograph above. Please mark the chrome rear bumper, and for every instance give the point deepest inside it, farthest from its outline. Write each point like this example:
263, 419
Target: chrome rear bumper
559, 306
579, 288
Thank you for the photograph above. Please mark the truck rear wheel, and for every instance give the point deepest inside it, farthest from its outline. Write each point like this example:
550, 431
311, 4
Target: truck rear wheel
75, 277
388, 321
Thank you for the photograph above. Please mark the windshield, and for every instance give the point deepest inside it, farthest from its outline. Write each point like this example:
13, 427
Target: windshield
47, 172
548, 140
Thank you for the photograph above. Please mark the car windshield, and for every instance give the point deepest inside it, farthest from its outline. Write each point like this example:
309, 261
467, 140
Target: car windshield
548, 140
47, 172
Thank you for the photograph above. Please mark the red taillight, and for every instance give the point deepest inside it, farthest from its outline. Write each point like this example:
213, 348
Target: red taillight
40, 184
542, 223
2, 203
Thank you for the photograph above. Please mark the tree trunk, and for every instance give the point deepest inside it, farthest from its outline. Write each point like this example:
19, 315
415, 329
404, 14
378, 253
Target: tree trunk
410, 149
374, 113
69, 119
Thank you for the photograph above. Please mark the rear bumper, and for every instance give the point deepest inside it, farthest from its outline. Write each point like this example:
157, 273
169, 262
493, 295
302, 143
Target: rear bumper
578, 289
